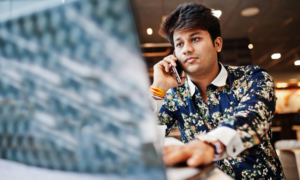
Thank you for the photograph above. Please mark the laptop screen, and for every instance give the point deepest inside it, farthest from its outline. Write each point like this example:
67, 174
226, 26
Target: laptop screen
73, 91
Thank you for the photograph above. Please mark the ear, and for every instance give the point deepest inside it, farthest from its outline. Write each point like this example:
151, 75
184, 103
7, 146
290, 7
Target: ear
218, 44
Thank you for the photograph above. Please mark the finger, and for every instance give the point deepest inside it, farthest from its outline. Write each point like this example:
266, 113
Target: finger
196, 159
171, 60
174, 157
173, 57
160, 65
166, 65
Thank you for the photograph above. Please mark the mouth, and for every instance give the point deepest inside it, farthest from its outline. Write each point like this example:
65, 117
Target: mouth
190, 59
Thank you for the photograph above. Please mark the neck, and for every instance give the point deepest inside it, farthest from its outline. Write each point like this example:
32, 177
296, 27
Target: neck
203, 80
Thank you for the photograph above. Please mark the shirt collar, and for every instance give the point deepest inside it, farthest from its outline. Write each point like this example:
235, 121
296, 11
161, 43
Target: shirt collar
219, 81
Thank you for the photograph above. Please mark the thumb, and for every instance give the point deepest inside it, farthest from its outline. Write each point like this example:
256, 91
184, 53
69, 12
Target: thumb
195, 160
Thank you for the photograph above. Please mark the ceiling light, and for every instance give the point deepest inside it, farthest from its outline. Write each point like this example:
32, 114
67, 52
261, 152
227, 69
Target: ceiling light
282, 85
149, 31
250, 11
297, 63
217, 13
250, 46
62, 1
276, 56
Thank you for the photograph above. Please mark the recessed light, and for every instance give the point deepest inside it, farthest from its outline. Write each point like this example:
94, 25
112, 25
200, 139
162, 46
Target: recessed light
217, 13
149, 31
297, 63
282, 85
250, 11
276, 56
250, 46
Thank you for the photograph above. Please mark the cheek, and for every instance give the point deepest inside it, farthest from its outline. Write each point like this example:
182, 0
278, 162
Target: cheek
177, 54
180, 57
203, 48
209, 51
209, 46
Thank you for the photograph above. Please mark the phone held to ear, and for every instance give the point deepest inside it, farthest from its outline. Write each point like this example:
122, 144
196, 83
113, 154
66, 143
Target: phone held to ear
178, 71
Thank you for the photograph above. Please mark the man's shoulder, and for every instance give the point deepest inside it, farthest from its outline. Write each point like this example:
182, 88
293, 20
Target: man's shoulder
247, 68
240, 71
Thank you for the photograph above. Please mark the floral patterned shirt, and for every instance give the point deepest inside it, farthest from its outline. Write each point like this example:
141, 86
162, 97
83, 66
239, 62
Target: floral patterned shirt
246, 104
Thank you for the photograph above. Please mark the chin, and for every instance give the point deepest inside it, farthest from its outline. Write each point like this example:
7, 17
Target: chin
194, 70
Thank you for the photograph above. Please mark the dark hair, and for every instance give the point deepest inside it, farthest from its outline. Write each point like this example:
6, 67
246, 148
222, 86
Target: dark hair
190, 16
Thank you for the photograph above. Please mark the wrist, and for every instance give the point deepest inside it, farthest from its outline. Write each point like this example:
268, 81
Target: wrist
157, 93
219, 148
160, 86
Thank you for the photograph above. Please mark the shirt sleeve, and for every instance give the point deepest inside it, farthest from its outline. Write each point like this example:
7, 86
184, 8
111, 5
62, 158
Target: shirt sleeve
155, 104
164, 110
232, 141
252, 118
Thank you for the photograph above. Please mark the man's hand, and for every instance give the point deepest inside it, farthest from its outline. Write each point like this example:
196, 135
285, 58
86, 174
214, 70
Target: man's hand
195, 153
162, 77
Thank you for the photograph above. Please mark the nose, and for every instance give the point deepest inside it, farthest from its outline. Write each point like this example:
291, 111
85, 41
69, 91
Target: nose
188, 48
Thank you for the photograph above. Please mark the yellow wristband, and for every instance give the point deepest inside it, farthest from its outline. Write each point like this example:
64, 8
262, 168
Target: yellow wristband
157, 92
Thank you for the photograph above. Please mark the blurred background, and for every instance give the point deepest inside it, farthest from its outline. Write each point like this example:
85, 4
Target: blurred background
263, 33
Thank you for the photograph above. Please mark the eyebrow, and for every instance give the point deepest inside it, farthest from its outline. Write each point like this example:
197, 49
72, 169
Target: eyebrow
191, 35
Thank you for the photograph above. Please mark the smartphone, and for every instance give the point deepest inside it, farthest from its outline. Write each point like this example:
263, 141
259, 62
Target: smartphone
178, 71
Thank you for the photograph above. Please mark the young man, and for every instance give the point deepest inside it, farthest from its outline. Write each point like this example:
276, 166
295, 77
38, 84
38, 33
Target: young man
224, 113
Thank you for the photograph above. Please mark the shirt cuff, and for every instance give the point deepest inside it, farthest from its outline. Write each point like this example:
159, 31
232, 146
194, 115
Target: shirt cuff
230, 138
156, 104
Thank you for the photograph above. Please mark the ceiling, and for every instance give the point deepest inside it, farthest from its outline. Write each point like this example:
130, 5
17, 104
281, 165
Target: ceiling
276, 29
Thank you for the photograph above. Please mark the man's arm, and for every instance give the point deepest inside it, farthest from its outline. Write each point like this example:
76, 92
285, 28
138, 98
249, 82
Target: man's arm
252, 119
164, 81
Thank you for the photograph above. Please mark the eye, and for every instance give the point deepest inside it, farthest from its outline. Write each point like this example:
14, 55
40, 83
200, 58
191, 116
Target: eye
179, 44
195, 39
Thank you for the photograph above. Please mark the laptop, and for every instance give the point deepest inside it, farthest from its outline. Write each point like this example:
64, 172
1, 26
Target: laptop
73, 94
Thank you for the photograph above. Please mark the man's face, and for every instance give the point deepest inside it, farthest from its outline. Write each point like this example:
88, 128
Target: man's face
195, 51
